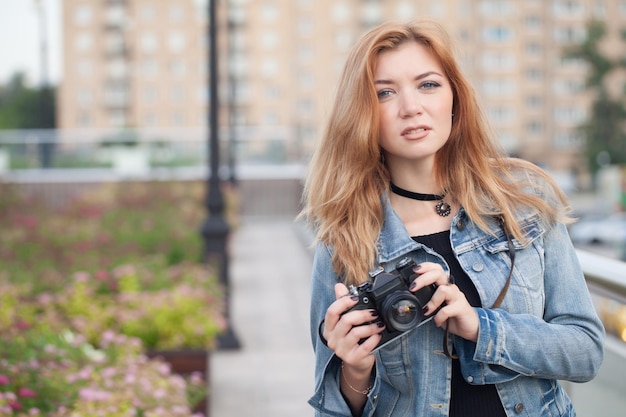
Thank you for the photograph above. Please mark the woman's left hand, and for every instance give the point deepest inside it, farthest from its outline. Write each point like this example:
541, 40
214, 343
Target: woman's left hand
461, 317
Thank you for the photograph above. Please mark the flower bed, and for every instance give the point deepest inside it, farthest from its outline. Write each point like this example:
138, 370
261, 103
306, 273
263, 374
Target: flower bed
87, 291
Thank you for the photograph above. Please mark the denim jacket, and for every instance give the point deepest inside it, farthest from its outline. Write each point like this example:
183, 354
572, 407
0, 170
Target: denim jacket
545, 330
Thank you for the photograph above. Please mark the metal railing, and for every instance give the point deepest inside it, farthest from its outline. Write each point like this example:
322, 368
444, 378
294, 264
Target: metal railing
604, 395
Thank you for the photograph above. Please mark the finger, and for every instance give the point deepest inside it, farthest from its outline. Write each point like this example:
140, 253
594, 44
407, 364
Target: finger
443, 294
359, 333
341, 290
429, 273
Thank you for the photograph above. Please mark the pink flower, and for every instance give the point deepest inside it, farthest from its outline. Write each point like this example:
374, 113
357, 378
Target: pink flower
26, 393
16, 406
4, 380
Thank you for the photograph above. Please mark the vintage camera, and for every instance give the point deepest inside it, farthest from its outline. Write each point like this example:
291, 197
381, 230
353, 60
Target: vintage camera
388, 293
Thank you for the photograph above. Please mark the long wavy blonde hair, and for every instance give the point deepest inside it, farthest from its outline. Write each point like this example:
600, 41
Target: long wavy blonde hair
347, 174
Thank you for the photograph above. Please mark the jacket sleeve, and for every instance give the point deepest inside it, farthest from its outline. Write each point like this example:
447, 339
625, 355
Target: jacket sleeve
327, 399
566, 343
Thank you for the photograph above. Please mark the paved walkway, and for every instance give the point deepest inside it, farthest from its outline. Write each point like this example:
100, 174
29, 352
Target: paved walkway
272, 373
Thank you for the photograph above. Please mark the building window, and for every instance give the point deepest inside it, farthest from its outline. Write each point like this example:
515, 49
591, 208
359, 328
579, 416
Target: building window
499, 61
570, 8
83, 119
83, 42
84, 97
343, 40
569, 34
497, 34
117, 68
371, 13
533, 49
599, 9
148, 43
238, 64
116, 95
496, 8
177, 94
269, 67
149, 68
178, 68
271, 92
305, 27
534, 74
532, 22
83, 15
534, 102
269, 40
269, 12
84, 68
115, 15
499, 87
148, 13
341, 12
569, 116
149, 94
117, 119
568, 140
177, 118
115, 44
176, 41
405, 10
176, 13
306, 80
149, 119
501, 115
305, 54
534, 128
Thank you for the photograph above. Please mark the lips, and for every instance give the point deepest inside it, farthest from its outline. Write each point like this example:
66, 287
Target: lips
415, 131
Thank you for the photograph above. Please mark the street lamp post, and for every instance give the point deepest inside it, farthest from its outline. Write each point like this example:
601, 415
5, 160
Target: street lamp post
45, 115
215, 229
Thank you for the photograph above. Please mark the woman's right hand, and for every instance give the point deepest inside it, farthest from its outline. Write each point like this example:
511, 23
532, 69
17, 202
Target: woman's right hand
343, 332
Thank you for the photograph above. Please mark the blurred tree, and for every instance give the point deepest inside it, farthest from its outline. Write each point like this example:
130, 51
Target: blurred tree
23, 107
604, 131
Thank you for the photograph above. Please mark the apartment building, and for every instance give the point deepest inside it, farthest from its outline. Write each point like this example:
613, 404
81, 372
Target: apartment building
133, 63
143, 63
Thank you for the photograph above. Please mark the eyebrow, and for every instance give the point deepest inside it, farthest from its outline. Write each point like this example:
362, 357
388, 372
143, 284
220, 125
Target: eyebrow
417, 78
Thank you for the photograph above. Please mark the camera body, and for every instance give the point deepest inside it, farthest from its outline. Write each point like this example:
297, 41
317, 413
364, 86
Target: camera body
388, 293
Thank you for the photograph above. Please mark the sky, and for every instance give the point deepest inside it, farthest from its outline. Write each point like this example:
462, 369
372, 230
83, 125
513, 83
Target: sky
20, 40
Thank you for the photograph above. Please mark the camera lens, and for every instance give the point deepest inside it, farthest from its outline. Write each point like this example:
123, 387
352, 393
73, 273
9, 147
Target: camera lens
401, 311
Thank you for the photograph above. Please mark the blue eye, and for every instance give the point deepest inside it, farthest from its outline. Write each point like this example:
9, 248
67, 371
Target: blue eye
429, 85
383, 93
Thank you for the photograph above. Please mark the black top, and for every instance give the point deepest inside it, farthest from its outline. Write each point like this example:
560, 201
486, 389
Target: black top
467, 400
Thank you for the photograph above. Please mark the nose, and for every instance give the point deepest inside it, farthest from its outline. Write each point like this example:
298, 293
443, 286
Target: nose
410, 104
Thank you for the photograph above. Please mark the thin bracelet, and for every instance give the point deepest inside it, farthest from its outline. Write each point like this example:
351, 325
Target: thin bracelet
364, 392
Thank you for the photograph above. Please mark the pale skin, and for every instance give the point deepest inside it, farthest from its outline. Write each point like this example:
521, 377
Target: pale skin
415, 108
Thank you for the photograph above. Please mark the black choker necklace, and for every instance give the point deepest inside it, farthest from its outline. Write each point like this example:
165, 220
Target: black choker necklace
443, 209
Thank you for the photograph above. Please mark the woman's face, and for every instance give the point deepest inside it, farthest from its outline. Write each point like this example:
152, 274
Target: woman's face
415, 104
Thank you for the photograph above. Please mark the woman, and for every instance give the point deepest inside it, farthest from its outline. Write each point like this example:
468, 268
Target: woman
407, 169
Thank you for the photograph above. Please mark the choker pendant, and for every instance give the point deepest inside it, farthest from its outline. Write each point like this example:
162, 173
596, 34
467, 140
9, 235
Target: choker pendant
442, 208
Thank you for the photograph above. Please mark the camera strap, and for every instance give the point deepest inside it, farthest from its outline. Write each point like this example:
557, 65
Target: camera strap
502, 294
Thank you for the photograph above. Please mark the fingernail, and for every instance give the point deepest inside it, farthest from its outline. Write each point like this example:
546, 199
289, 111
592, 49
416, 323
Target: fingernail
374, 313
413, 285
417, 267
380, 324
425, 310
354, 297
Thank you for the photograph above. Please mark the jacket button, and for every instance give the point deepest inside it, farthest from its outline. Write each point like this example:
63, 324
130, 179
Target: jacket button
460, 225
470, 379
519, 407
478, 267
